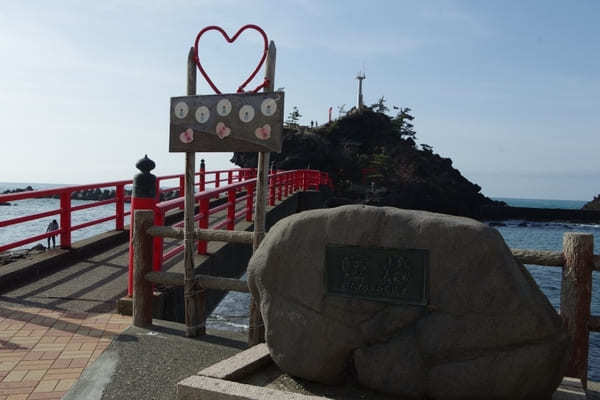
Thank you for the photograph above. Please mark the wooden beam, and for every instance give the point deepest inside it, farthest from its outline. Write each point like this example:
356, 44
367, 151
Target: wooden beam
256, 329
142, 264
539, 257
193, 296
215, 235
205, 281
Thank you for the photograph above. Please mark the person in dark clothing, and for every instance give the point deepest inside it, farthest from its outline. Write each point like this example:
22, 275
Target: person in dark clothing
52, 226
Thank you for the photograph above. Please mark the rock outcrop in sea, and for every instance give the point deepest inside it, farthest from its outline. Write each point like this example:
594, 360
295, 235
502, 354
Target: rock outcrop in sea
594, 204
373, 159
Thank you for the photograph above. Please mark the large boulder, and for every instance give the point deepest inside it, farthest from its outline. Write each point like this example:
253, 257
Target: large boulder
487, 331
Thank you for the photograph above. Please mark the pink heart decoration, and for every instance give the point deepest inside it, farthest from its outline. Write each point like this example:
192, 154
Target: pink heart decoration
264, 132
223, 130
187, 136
231, 40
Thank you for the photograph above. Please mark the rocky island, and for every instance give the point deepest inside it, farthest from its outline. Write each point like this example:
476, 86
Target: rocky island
373, 159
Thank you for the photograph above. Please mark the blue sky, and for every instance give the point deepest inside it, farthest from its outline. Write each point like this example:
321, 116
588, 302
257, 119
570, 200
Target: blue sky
510, 90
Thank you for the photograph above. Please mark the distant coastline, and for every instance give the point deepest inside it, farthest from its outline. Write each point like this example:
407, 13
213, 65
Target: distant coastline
542, 203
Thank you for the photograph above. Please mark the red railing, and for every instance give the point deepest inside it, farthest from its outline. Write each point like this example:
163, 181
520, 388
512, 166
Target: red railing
66, 210
206, 180
281, 184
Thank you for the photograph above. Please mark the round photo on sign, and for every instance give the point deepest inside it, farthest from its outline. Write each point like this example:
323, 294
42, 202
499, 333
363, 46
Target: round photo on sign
202, 114
246, 113
223, 107
181, 110
268, 107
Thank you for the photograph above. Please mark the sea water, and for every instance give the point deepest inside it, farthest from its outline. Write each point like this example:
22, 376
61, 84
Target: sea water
232, 312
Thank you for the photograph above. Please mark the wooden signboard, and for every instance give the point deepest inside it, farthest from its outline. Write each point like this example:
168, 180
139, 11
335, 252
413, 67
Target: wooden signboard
227, 122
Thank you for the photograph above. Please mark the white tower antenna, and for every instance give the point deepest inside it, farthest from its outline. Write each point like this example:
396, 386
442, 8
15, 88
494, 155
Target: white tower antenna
360, 76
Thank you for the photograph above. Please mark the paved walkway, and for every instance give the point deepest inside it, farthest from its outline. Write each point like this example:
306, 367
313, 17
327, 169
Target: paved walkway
53, 328
44, 351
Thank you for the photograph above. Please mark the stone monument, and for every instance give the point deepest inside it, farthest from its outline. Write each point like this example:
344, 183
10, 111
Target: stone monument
411, 303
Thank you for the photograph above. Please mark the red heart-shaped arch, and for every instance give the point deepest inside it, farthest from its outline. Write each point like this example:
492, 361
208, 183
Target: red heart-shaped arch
231, 40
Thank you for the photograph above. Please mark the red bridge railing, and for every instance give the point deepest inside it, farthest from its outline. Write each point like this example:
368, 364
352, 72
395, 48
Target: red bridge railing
239, 203
221, 180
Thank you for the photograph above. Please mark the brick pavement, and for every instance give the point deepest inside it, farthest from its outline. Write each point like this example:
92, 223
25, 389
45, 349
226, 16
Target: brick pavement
44, 351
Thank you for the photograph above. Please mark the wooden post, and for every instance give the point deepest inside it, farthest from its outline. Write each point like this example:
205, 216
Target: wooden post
193, 295
143, 197
256, 329
142, 264
575, 298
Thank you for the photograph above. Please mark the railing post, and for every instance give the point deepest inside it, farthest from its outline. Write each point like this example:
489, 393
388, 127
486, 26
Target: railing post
231, 209
304, 179
120, 207
575, 299
249, 202
271, 191
143, 197
286, 187
202, 185
280, 182
217, 179
203, 223
229, 177
296, 180
65, 220
181, 186
142, 264
157, 190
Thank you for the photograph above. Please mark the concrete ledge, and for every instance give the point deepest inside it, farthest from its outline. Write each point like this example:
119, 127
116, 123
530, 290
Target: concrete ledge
240, 365
21, 272
218, 381
203, 387
570, 389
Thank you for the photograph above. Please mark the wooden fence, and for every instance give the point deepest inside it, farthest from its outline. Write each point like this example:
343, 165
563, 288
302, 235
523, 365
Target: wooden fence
577, 260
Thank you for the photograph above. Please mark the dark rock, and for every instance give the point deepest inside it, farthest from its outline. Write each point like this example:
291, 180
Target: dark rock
368, 147
5, 203
496, 224
593, 204
18, 190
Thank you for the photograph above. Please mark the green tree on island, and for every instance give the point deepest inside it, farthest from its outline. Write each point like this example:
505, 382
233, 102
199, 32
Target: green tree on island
293, 117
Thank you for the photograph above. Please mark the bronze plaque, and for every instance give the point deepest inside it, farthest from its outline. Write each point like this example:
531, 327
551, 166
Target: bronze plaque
227, 122
381, 274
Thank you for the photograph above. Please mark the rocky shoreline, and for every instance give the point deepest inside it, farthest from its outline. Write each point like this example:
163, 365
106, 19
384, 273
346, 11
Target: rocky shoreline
89, 195
11, 256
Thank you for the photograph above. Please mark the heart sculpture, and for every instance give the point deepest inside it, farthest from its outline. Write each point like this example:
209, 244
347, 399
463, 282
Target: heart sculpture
231, 40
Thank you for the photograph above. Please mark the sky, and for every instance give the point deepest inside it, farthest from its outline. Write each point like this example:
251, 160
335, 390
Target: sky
509, 90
